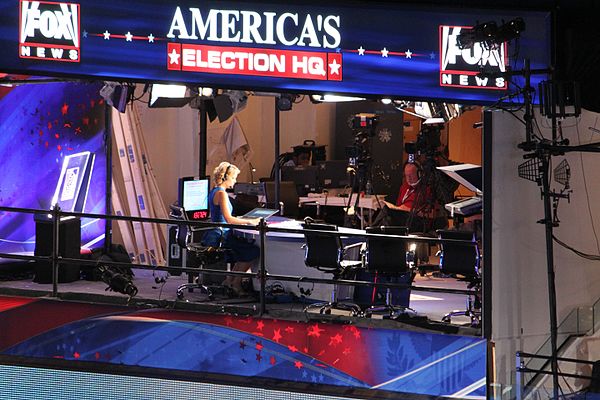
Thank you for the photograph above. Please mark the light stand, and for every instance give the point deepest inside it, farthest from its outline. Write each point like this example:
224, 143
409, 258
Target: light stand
540, 154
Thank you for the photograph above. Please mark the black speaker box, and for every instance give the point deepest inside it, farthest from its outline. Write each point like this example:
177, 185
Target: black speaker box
176, 255
69, 243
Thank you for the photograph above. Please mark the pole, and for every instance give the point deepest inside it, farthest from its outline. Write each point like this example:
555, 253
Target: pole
277, 172
202, 159
550, 270
108, 180
528, 117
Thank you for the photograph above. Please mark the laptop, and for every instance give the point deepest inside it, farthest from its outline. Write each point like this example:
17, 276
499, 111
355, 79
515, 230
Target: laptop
259, 212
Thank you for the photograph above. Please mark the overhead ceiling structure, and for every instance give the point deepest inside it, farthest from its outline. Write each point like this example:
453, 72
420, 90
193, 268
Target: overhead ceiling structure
577, 38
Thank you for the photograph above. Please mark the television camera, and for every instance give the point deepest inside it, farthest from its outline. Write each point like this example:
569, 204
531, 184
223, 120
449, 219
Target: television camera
428, 142
359, 153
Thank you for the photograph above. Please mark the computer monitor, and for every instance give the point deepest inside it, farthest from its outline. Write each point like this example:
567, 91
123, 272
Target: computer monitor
468, 175
255, 189
333, 173
193, 197
306, 177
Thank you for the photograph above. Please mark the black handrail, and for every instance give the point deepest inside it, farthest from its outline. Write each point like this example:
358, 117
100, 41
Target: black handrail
262, 275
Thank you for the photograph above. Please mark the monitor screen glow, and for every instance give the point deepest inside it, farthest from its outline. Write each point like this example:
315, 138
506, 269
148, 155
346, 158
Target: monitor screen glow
194, 197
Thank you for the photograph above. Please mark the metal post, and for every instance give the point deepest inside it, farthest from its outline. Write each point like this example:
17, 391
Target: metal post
263, 269
550, 271
54, 255
528, 116
108, 185
519, 377
202, 158
277, 172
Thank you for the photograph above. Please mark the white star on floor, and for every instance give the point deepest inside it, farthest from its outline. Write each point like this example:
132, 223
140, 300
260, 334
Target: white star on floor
334, 67
174, 57
361, 51
408, 53
128, 36
384, 52
151, 38
106, 35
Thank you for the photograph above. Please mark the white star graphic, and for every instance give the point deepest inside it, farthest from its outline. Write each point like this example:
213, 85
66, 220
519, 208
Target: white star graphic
106, 35
384, 52
128, 36
151, 38
334, 67
408, 53
361, 51
174, 57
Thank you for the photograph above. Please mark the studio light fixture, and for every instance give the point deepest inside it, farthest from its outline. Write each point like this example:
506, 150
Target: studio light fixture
489, 34
117, 95
431, 113
331, 98
285, 101
162, 95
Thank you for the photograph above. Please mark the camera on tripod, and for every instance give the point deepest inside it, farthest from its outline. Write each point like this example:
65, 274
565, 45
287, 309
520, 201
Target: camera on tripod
363, 126
364, 123
428, 141
359, 153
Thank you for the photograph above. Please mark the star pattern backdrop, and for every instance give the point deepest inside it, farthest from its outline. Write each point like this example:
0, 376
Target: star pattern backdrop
307, 352
39, 129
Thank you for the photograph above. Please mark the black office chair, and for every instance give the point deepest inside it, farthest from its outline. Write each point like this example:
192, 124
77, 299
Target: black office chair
325, 252
461, 261
200, 256
386, 258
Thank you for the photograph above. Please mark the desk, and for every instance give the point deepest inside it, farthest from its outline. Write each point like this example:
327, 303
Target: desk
368, 202
285, 256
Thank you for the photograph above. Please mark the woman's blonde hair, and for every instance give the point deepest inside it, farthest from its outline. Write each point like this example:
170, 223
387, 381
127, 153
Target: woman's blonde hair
224, 170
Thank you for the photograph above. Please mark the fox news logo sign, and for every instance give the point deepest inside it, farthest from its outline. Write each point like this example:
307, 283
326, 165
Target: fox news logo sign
462, 67
49, 31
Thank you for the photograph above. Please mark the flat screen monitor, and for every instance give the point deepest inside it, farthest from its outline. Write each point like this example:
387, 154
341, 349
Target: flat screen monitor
334, 173
468, 175
306, 177
193, 197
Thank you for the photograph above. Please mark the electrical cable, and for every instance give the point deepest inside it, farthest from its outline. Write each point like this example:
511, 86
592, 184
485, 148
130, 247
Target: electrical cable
581, 254
587, 195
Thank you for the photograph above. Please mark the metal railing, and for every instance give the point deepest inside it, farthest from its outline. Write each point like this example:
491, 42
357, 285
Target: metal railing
57, 261
524, 391
579, 322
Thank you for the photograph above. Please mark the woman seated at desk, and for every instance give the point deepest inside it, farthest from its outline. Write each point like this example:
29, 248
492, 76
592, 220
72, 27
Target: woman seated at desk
243, 253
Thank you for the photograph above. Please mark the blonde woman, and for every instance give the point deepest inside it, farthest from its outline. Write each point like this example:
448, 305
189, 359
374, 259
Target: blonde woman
243, 253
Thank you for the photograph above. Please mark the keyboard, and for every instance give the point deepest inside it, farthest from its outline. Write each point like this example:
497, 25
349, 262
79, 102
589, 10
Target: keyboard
465, 207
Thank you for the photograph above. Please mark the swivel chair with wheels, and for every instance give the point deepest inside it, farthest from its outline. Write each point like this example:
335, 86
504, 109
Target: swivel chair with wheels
386, 258
325, 252
201, 256
460, 259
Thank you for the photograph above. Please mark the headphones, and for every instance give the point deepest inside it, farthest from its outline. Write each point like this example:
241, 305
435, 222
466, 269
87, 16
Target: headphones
226, 172
305, 292
416, 164
159, 280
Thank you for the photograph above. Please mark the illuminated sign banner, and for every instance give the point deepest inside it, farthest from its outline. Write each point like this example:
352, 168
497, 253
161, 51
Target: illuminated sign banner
49, 31
392, 50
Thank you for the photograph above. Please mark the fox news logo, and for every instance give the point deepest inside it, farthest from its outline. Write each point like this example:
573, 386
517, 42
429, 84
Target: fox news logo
463, 67
49, 31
